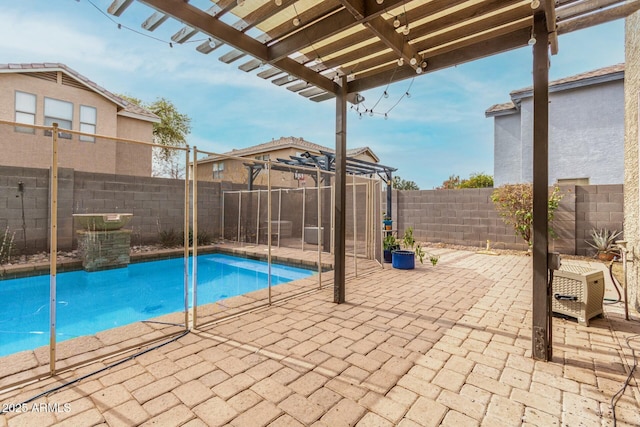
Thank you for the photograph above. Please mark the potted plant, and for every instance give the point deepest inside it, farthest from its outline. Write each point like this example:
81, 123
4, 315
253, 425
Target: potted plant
389, 244
603, 241
405, 259
387, 222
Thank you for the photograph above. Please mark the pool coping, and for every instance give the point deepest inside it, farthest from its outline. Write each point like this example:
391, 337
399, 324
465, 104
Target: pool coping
42, 268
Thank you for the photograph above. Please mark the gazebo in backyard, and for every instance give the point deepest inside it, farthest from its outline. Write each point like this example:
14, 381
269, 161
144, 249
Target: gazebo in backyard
335, 49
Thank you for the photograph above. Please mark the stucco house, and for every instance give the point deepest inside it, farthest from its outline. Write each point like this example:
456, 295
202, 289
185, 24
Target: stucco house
41, 94
224, 168
586, 131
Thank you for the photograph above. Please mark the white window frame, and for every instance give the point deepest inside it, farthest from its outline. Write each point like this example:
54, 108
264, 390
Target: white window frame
218, 170
87, 125
22, 113
62, 121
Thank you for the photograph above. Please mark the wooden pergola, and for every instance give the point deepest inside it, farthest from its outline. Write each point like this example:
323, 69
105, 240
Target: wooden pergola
323, 49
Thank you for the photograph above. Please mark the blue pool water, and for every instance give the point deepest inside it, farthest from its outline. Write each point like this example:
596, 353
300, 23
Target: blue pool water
91, 302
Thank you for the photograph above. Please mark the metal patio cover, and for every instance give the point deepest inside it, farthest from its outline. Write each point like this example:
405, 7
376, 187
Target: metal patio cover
306, 45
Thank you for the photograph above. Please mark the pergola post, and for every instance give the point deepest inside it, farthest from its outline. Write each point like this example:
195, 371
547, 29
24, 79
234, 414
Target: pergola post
541, 340
340, 194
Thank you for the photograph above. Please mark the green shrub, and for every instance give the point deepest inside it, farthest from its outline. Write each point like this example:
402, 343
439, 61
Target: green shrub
203, 237
6, 245
514, 203
171, 238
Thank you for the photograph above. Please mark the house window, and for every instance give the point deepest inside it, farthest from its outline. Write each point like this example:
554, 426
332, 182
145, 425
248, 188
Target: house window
25, 111
61, 112
264, 157
88, 117
218, 170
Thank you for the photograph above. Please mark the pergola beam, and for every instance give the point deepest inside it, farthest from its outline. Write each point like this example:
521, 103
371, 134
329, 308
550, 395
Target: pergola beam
471, 52
606, 15
552, 33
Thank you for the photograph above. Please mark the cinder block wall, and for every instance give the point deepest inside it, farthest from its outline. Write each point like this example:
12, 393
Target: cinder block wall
156, 203
597, 206
467, 217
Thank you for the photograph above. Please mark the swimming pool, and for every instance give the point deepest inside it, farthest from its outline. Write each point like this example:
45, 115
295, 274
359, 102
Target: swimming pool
91, 302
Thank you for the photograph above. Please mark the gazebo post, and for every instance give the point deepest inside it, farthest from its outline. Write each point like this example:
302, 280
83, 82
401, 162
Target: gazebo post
541, 340
340, 193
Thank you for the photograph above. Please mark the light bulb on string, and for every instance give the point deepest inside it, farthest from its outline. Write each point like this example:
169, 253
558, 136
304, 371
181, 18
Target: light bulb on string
535, 4
532, 40
396, 22
385, 94
400, 62
386, 116
290, 78
371, 113
424, 64
405, 30
379, 1
360, 116
419, 70
407, 94
278, 2
296, 21
413, 61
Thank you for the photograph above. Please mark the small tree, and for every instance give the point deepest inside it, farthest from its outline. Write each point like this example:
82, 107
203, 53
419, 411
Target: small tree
171, 132
514, 203
477, 180
450, 184
402, 184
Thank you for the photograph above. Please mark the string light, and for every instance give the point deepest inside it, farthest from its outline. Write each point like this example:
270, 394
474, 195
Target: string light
535, 4
396, 22
405, 30
296, 21
400, 62
385, 94
419, 70
532, 40
278, 2
379, 1
413, 61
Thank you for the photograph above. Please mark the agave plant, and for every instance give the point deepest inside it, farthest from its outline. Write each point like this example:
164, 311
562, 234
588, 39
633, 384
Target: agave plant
603, 240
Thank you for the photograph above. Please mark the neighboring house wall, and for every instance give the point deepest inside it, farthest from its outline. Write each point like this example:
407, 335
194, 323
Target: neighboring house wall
34, 150
507, 146
586, 136
131, 159
632, 158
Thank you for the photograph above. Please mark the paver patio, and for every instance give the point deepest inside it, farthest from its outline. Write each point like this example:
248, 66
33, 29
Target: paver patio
444, 345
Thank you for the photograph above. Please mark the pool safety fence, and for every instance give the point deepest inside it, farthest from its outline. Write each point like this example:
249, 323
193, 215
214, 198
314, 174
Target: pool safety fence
185, 209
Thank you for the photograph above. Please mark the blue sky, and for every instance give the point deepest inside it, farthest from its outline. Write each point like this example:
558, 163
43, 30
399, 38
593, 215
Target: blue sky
440, 130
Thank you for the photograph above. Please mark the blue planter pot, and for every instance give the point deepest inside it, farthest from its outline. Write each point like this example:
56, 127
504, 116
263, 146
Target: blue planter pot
387, 253
404, 260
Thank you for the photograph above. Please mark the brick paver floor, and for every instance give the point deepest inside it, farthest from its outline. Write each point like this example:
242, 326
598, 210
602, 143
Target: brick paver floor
444, 345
